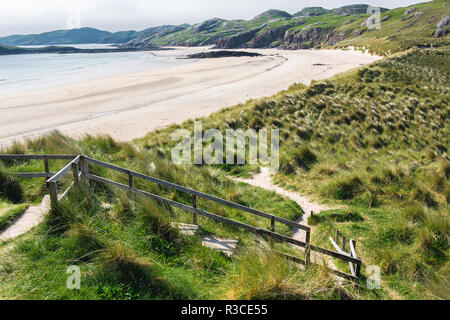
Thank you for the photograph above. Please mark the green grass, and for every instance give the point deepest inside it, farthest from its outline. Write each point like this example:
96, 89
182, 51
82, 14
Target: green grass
371, 142
9, 212
376, 141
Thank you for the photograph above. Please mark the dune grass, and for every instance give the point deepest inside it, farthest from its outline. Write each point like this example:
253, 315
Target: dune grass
372, 142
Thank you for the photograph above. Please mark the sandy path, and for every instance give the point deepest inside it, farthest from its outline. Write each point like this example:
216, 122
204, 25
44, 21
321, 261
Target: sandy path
264, 180
29, 219
129, 106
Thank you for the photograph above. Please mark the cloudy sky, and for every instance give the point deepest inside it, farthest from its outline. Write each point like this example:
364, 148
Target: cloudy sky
36, 16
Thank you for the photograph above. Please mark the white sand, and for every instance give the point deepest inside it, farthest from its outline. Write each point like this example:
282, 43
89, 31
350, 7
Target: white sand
129, 106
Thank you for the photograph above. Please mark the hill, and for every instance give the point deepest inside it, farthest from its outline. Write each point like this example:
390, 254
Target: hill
425, 24
372, 142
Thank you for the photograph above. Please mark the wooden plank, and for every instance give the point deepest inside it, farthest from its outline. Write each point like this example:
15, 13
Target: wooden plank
353, 248
84, 168
75, 173
32, 174
272, 228
338, 249
353, 253
308, 250
291, 258
277, 236
53, 194
64, 170
194, 215
199, 194
36, 157
46, 165
343, 256
47, 170
65, 193
343, 241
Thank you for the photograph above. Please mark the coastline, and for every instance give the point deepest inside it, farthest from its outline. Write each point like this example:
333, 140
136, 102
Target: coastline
128, 106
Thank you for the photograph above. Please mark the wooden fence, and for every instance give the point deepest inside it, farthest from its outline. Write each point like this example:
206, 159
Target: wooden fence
79, 167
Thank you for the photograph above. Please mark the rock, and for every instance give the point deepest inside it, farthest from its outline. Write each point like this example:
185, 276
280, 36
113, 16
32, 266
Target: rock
139, 44
357, 33
440, 33
443, 23
408, 11
222, 54
270, 35
237, 41
385, 18
306, 38
334, 38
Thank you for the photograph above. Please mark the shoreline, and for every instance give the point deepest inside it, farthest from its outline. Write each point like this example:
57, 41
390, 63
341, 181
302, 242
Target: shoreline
128, 106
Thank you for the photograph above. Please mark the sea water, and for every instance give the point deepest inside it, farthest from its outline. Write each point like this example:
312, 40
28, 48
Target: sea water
25, 72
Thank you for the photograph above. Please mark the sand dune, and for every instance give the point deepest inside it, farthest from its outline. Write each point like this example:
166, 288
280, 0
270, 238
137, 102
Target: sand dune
130, 105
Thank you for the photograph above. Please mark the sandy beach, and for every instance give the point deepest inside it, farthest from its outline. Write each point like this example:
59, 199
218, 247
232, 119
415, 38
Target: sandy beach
130, 105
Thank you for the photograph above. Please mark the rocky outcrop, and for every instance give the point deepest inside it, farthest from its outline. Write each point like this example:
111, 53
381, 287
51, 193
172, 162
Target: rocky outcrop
334, 37
238, 41
408, 12
222, 54
139, 44
306, 38
266, 37
440, 33
443, 23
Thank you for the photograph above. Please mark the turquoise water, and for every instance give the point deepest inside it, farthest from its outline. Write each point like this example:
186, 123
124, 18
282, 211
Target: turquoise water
19, 73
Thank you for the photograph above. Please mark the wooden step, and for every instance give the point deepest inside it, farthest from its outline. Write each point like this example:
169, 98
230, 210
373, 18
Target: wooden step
186, 229
226, 246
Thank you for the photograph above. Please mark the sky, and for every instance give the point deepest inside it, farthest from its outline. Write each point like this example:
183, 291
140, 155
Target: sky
36, 16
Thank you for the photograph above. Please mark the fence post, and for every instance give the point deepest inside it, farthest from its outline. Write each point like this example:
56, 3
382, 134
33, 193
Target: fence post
336, 236
343, 243
131, 184
272, 228
357, 274
75, 172
47, 171
84, 169
308, 250
194, 215
53, 195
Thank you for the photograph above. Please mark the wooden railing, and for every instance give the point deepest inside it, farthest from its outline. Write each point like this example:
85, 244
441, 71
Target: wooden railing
82, 162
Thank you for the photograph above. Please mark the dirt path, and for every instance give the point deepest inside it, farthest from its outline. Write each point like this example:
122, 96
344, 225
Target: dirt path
264, 180
28, 220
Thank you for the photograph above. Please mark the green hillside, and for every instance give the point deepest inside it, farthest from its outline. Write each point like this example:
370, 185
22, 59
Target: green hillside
373, 142
318, 28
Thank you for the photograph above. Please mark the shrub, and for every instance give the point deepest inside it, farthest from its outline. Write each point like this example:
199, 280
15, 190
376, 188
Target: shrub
256, 123
424, 196
345, 216
344, 188
10, 189
304, 157
413, 212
